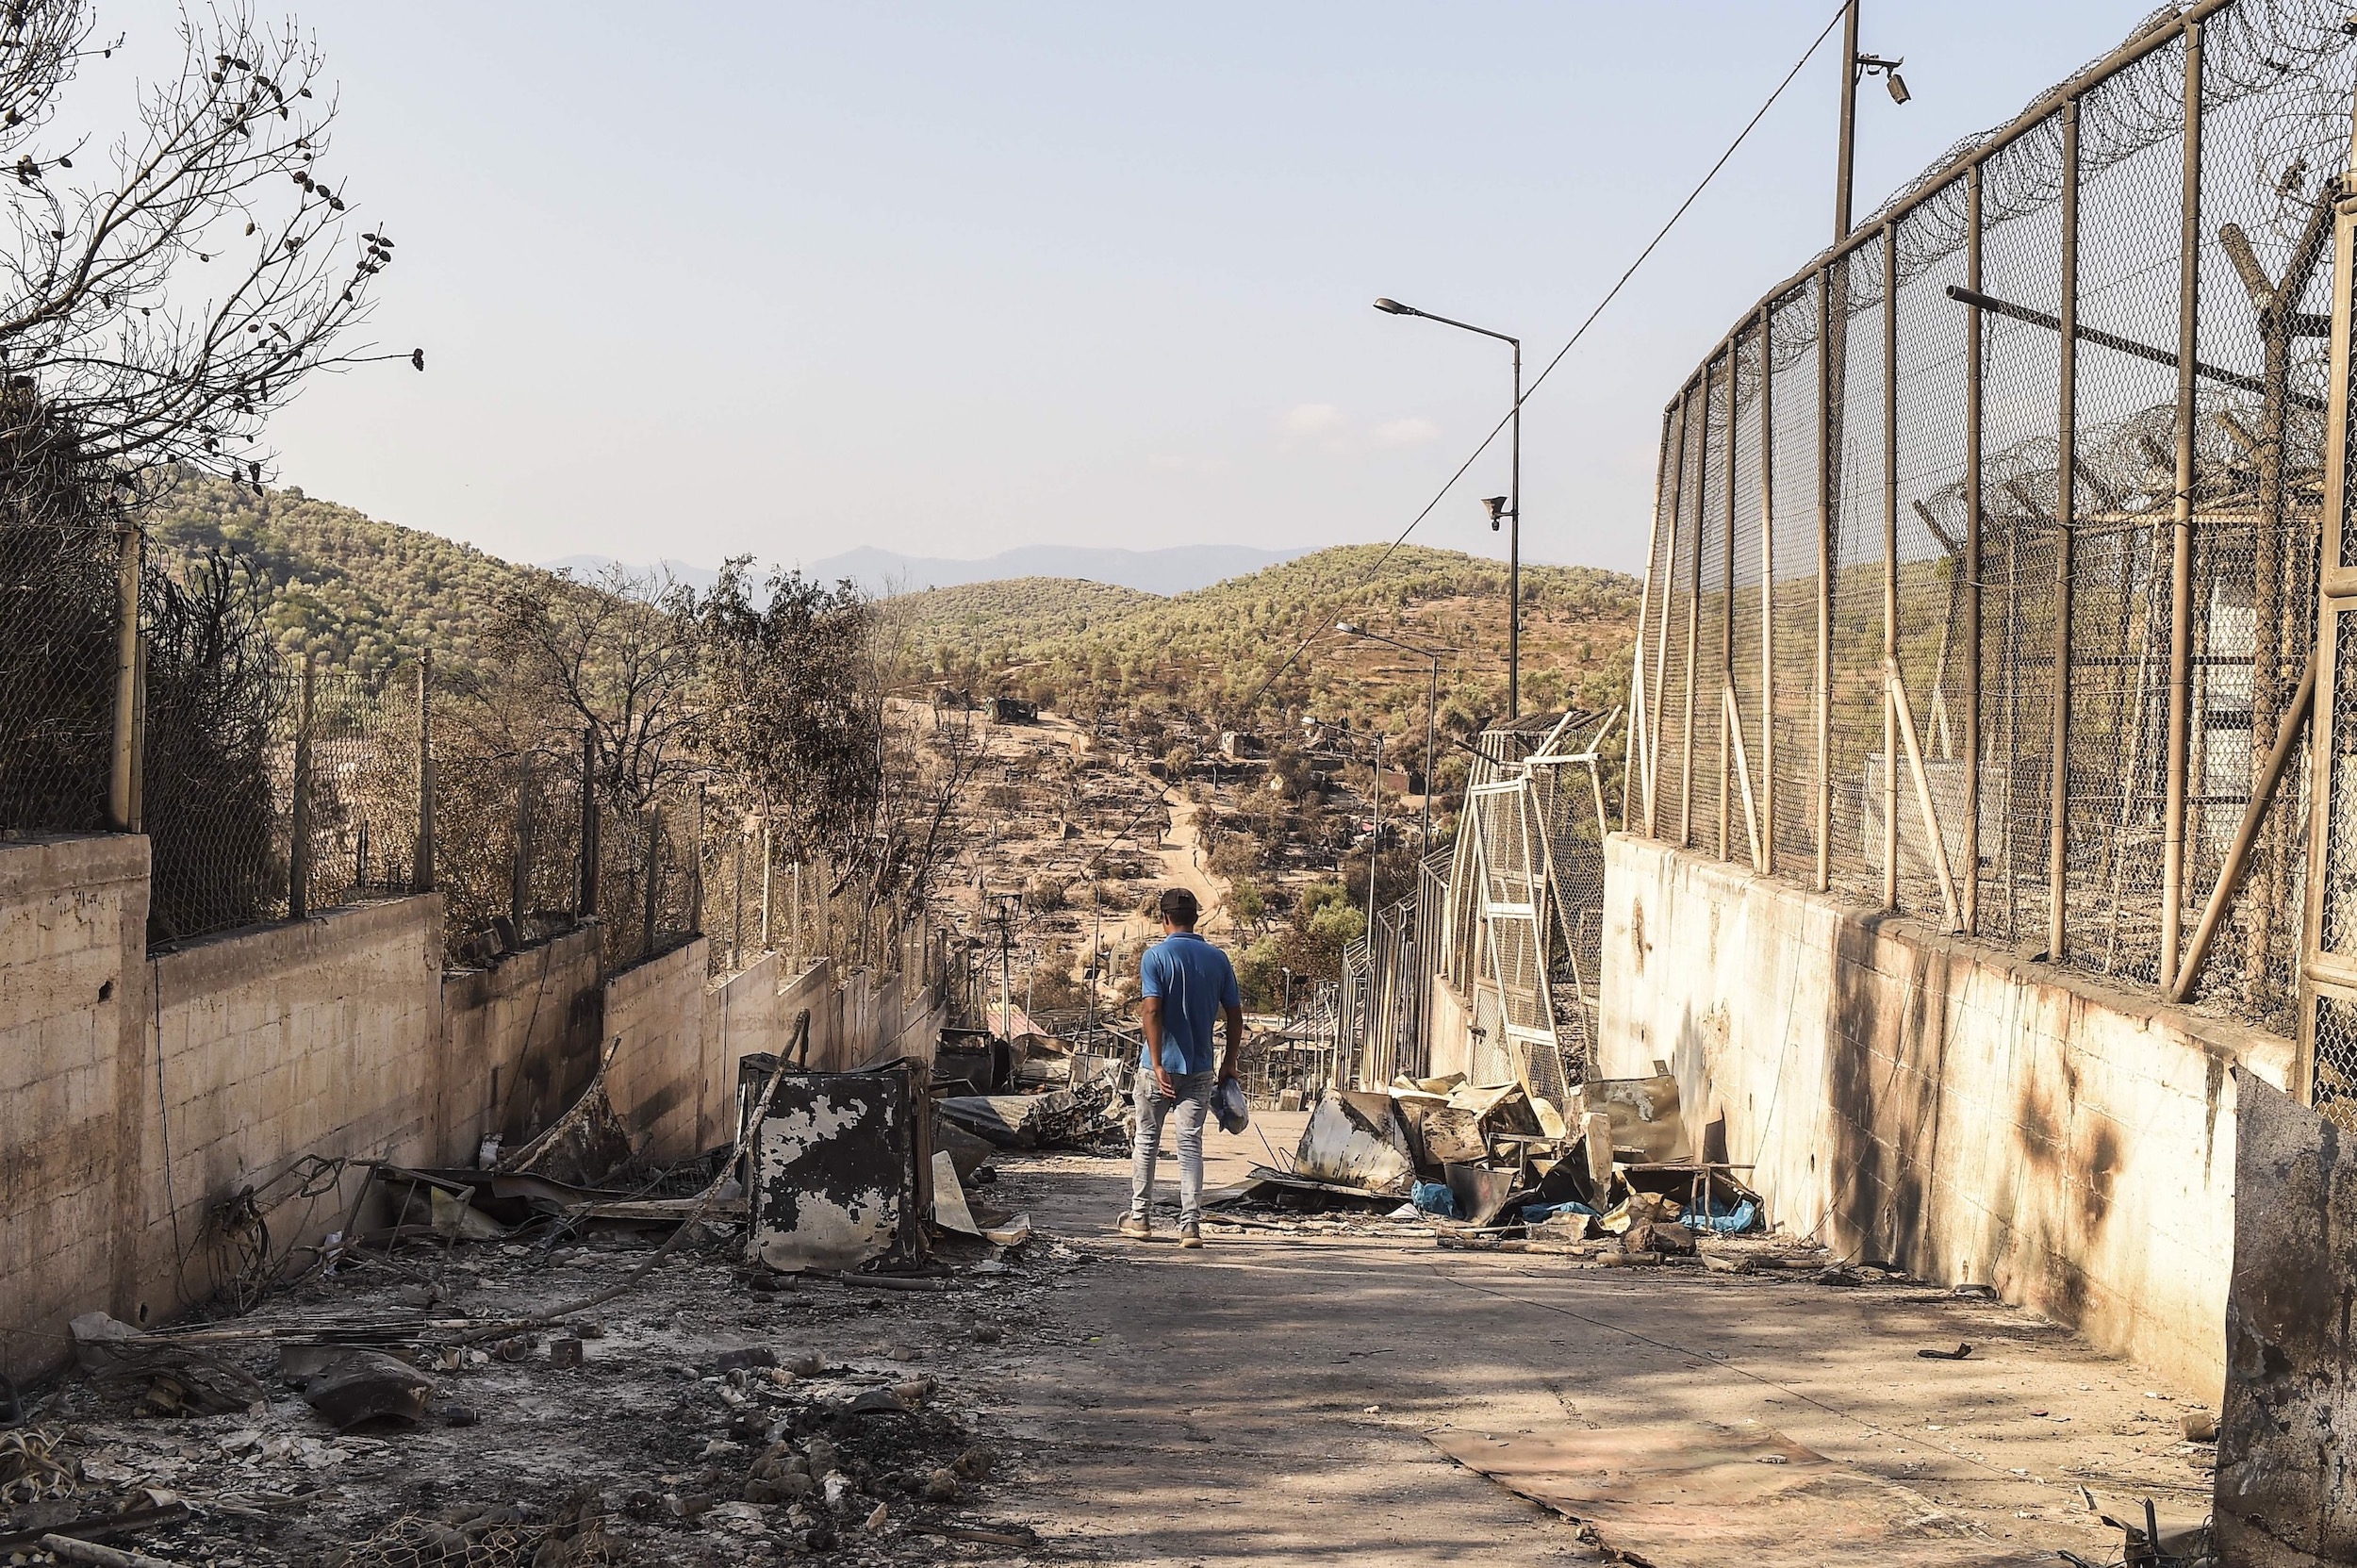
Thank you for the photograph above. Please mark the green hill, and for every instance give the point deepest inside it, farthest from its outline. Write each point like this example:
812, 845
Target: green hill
360, 593
1074, 644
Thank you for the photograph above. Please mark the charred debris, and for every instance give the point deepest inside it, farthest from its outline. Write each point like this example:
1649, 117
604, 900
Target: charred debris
565, 1358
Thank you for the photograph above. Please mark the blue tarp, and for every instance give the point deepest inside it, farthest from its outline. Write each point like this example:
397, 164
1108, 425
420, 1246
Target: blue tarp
1539, 1214
1727, 1220
1434, 1198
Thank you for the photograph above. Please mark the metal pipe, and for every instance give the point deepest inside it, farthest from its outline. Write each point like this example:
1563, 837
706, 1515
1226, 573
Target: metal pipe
1767, 594
2181, 527
1825, 475
1895, 685
2066, 516
1973, 419
2229, 876
1890, 561
767, 865
120, 815
2183, 361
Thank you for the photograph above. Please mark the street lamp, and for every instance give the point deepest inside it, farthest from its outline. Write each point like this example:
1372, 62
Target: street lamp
1507, 507
1431, 712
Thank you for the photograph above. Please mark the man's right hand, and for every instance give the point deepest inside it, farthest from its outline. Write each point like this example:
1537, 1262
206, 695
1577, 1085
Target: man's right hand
1164, 1084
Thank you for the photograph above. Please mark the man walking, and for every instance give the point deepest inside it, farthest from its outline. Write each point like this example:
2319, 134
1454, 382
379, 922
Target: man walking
1185, 982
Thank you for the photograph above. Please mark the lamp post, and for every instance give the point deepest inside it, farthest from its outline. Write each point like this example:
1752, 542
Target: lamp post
1859, 66
1431, 711
1507, 507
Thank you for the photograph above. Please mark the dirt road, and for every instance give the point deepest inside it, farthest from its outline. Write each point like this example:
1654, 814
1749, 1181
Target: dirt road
1265, 1400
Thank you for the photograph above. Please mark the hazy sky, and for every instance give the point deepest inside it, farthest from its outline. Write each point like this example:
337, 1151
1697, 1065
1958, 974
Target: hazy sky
701, 279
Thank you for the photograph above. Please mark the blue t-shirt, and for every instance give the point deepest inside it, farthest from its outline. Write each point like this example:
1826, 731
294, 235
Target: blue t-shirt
1194, 980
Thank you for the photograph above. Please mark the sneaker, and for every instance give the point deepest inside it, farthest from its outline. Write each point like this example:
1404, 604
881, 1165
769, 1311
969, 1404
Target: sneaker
1135, 1228
1190, 1235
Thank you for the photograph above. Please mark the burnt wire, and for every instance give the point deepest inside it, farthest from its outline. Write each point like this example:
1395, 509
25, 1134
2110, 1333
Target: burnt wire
1611, 294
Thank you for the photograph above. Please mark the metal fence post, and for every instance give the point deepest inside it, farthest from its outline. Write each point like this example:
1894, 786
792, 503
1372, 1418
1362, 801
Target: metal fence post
121, 816
1726, 606
589, 846
2181, 526
1766, 591
520, 860
765, 868
1693, 626
653, 879
736, 905
2066, 513
1827, 472
1890, 561
422, 871
696, 869
1661, 640
1973, 392
299, 845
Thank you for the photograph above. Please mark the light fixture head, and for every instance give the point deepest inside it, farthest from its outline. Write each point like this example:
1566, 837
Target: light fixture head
1497, 509
1345, 628
1898, 85
1392, 308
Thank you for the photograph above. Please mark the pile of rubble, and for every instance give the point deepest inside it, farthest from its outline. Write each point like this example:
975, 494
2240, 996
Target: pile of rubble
1495, 1165
771, 1352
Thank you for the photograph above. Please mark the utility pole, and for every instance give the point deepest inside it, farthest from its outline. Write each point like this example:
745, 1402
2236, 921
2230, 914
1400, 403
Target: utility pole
1848, 156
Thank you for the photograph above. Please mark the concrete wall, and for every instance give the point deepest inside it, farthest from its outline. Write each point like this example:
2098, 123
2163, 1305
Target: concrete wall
520, 1042
139, 1093
74, 1081
655, 1012
1936, 1102
318, 1038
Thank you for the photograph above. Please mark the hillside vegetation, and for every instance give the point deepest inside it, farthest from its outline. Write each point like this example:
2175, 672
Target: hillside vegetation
358, 593
1072, 645
363, 594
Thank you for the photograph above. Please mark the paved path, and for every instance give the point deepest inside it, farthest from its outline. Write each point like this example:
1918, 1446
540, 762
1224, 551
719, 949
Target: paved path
1264, 1400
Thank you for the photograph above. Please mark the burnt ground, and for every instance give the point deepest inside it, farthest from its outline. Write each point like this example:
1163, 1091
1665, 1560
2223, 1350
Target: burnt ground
1264, 1400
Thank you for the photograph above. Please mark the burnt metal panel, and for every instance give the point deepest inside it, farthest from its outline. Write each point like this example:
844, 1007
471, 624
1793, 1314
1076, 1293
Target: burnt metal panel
2282, 1494
838, 1167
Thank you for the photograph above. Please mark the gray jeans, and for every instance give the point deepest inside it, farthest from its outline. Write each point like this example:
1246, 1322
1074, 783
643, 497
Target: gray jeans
1192, 1106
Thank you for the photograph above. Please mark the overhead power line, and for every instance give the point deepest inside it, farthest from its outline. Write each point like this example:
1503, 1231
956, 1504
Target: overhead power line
1611, 294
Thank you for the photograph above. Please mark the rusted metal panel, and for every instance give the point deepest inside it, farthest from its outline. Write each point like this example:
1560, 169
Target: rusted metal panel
2283, 1498
838, 1170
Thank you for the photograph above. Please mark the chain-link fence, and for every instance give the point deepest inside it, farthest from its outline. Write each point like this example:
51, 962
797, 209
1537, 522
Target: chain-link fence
1986, 550
59, 598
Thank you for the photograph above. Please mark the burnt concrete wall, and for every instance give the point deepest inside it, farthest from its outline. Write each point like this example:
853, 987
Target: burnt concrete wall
75, 1081
520, 1042
1933, 1101
654, 1024
141, 1092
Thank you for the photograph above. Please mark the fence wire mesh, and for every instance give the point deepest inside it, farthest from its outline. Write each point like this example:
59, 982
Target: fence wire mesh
2026, 299
59, 610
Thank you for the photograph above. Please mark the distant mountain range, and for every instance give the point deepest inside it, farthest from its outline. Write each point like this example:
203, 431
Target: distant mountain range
1181, 569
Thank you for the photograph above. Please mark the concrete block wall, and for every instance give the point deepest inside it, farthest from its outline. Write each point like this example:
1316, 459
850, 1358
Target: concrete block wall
520, 1042
141, 1092
1931, 1101
654, 1027
75, 1085
320, 1037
